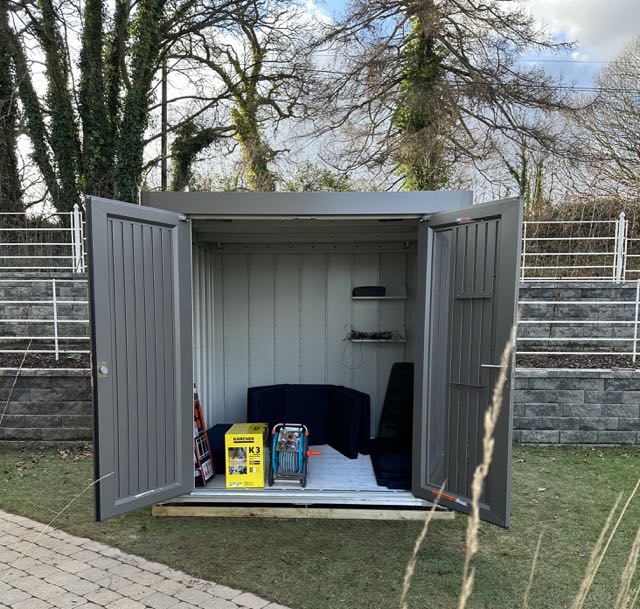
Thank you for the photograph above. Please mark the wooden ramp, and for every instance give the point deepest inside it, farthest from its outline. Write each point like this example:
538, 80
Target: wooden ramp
231, 511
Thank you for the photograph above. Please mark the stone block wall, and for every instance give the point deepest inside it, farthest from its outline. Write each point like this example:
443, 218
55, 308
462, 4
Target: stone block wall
71, 294
615, 302
618, 304
550, 406
46, 405
577, 406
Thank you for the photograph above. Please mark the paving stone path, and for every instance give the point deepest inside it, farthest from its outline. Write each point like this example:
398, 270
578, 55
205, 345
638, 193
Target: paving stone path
41, 567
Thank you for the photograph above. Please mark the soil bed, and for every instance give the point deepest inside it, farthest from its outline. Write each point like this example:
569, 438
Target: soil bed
44, 360
576, 361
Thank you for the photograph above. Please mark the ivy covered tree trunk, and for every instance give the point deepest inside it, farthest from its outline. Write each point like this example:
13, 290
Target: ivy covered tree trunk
64, 135
537, 194
256, 154
190, 140
520, 173
114, 57
135, 114
530, 181
97, 160
35, 126
10, 192
421, 114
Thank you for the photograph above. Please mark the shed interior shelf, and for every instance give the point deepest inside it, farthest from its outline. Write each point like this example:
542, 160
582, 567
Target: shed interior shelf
378, 340
378, 297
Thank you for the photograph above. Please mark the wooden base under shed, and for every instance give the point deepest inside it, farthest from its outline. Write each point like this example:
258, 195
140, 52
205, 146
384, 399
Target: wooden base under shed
230, 511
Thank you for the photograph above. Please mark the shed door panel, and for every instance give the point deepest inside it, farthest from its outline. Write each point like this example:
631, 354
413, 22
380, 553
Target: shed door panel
140, 285
469, 262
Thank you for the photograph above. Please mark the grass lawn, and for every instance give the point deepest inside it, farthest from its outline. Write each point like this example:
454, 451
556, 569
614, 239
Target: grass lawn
307, 564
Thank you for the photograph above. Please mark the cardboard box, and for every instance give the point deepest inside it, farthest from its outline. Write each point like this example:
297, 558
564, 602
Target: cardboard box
246, 455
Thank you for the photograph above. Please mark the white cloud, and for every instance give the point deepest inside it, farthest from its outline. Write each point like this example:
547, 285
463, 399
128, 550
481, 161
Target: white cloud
602, 28
317, 12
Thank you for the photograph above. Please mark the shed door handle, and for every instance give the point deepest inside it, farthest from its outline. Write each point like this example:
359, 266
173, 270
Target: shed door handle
492, 366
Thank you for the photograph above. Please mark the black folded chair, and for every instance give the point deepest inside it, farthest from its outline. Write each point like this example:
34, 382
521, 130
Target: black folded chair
391, 449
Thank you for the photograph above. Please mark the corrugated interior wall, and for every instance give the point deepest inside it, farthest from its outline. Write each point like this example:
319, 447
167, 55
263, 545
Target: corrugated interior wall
264, 318
204, 331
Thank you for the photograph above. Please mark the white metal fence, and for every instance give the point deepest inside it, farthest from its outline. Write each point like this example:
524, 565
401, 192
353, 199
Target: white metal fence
602, 251
42, 329
592, 342
552, 251
555, 250
39, 327
54, 243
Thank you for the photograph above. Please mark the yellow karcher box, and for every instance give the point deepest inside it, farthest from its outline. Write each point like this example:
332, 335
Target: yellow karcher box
246, 455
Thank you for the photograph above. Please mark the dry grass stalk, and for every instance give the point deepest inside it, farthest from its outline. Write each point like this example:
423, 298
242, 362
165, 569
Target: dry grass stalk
534, 563
597, 553
411, 565
623, 600
590, 576
481, 472
636, 596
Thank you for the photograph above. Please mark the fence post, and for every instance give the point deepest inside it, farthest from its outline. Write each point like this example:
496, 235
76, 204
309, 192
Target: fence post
523, 259
74, 247
620, 247
624, 250
81, 242
77, 245
635, 325
55, 318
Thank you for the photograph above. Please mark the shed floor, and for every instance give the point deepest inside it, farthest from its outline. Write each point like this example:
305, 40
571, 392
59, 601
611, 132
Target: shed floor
328, 471
333, 480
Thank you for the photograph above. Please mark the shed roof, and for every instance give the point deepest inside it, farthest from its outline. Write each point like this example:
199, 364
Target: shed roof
308, 204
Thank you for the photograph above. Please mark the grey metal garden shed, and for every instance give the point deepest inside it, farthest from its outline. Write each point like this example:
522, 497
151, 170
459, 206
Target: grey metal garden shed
233, 290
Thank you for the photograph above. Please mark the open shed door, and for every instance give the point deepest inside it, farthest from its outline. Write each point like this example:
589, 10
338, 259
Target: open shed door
468, 264
140, 305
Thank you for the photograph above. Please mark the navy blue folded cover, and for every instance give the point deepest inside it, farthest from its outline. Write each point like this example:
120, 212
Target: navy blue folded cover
398, 483
394, 463
216, 443
266, 405
396, 419
362, 402
391, 468
337, 416
344, 422
308, 404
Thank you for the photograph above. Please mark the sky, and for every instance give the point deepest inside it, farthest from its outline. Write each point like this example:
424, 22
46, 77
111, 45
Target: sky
601, 29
